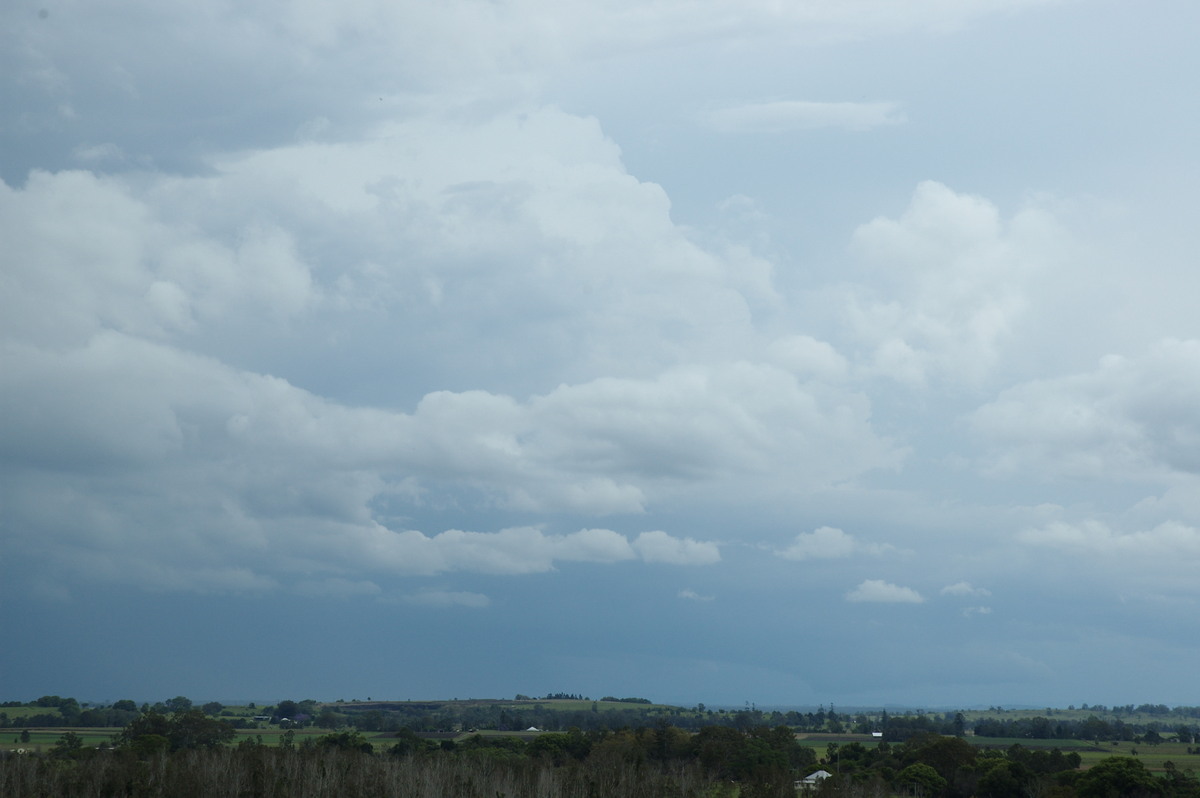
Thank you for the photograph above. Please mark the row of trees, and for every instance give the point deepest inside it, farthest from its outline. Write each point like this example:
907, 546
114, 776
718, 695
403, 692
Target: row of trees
935, 766
503, 716
70, 712
188, 754
1092, 728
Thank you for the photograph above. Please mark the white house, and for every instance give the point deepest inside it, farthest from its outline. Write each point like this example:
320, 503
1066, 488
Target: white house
812, 780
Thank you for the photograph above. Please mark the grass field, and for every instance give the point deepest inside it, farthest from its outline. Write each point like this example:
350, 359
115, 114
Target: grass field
43, 739
24, 712
1153, 756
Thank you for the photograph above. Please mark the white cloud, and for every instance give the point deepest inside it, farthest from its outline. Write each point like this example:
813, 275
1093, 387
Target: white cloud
964, 589
88, 254
1169, 541
692, 595
876, 590
163, 326
787, 115
515, 550
949, 282
808, 358
829, 543
970, 611
659, 547
1130, 418
355, 48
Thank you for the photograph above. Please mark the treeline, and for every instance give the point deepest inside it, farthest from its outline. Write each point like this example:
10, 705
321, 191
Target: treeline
67, 712
187, 755
936, 766
263, 772
1093, 728
634, 712
70, 713
1143, 709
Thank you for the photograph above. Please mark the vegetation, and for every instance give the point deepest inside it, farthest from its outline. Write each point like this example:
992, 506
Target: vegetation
629, 747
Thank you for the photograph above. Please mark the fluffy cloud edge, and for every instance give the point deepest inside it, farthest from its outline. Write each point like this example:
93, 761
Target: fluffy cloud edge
964, 589
826, 542
879, 591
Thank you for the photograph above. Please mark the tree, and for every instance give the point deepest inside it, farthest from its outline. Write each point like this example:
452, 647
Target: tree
1005, 779
719, 749
346, 741
190, 729
1095, 729
286, 709
1117, 777
212, 707
946, 755
920, 780
194, 729
69, 746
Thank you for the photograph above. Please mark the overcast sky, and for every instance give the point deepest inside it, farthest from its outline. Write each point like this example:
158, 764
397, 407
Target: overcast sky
720, 351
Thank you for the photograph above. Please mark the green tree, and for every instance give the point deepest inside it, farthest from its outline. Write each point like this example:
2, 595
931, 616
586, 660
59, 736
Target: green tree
345, 741
286, 709
920, 780
190, 729
1118, 777
1095, 729
1005, 779
946, 755
69, 746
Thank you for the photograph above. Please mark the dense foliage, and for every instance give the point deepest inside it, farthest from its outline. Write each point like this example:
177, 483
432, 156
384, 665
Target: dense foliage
174, 748
188, 753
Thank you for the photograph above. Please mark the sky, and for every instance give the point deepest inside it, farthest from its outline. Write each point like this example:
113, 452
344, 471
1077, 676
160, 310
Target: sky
709, 351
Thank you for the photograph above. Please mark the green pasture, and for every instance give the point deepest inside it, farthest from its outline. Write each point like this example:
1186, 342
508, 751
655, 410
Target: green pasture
1002, 743
813, 738
24, 712
273, 735
1154, 757
523, 735
43, 739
